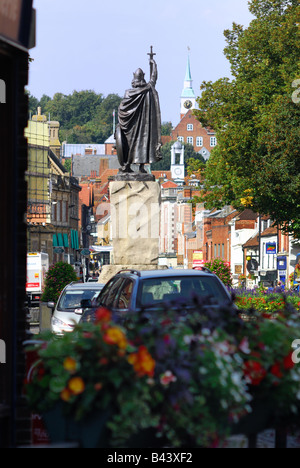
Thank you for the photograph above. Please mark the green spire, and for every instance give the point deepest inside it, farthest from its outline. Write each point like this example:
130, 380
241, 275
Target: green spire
188, 76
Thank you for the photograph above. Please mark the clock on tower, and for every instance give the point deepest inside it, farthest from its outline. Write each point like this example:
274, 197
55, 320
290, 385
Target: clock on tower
188, 98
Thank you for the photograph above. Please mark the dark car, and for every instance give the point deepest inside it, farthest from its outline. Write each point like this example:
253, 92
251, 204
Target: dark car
131, 291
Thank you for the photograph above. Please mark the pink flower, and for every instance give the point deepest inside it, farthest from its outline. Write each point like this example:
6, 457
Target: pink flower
244, 346
167, 378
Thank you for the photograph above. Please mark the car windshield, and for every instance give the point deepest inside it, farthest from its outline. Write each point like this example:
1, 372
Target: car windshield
155, 291
71, 300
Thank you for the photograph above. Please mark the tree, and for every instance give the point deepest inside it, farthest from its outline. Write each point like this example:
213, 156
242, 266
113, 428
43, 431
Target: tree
166, 128
57, 277
256, 117
165, 163
84, 116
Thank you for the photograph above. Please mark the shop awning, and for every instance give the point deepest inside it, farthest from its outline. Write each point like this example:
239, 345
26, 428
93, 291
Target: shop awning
101, 248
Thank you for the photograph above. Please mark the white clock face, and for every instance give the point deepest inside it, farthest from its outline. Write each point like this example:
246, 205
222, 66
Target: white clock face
178, 171
188, 104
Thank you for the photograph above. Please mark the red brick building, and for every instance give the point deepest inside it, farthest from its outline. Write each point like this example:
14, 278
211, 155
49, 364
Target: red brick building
190, 130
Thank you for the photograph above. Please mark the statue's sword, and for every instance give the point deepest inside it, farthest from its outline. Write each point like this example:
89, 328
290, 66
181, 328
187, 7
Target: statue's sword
151, 55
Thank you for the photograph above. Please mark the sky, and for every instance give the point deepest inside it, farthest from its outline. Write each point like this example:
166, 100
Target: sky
98, 44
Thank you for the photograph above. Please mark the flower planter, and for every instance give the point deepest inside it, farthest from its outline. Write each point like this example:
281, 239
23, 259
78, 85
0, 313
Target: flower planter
91, 432
255, 422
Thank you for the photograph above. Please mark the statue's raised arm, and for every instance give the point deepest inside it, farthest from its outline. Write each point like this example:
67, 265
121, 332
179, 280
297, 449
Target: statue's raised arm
138, 134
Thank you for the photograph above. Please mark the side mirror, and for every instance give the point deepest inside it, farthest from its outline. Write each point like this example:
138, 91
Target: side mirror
51, 305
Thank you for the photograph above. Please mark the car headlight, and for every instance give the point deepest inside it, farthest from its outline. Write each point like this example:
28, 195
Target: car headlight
59, 323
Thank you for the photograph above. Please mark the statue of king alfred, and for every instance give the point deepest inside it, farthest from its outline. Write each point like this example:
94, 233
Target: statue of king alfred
138, 133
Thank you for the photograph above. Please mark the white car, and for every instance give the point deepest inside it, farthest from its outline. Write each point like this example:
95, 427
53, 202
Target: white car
71, 303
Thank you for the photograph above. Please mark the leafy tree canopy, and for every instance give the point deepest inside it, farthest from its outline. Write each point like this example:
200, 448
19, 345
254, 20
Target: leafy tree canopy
84, 116
165, 163
256, 116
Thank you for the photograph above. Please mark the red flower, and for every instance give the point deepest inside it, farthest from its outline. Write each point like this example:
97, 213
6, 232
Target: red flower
288, 362
103, 315
254, 371
275, 370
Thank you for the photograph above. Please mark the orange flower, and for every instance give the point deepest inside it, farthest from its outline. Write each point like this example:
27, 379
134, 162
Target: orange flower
70, 365
76, 385
65, 395
142, 362
114, 335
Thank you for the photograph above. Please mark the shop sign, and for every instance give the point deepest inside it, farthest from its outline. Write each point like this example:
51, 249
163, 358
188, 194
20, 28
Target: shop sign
85, 252
198, 258
271, 248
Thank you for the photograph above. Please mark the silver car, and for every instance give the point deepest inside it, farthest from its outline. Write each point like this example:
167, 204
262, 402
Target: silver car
74, 298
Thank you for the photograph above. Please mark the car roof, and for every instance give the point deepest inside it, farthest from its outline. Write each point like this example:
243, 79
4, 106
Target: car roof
90, 285
169, 273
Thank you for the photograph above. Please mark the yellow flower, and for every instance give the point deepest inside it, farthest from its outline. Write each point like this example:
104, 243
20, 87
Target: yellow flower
114, 335
70, 365
76, 385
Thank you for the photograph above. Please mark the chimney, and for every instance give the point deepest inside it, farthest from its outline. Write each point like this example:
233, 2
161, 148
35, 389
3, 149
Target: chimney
104, 164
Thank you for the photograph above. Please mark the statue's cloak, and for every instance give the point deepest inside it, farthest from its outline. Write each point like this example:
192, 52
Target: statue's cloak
140, 121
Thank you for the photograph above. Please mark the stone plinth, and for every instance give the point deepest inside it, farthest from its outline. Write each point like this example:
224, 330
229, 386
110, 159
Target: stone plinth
135, 215
135, 218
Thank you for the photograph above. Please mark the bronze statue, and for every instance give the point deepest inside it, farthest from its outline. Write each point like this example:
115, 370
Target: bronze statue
138, 133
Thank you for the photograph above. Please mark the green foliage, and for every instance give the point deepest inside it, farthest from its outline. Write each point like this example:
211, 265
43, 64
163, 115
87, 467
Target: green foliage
84, 116
256, 162
57, 277
221, 269
166, 128
165, 163
68, 165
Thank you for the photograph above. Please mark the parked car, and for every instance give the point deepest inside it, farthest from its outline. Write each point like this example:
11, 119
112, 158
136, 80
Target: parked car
73, 299
131, 291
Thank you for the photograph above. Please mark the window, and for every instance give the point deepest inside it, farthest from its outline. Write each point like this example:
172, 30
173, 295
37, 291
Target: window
181, 139
199, 141
213, 141
58, 211
190, 140
64, 211
154, 291
110, 292
125, 295
53, 212
190, 127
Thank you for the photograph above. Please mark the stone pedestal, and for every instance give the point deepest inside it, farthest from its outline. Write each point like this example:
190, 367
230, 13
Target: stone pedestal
135, 217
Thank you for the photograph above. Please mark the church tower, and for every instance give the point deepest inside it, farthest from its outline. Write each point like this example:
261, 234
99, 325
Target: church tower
188, 98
